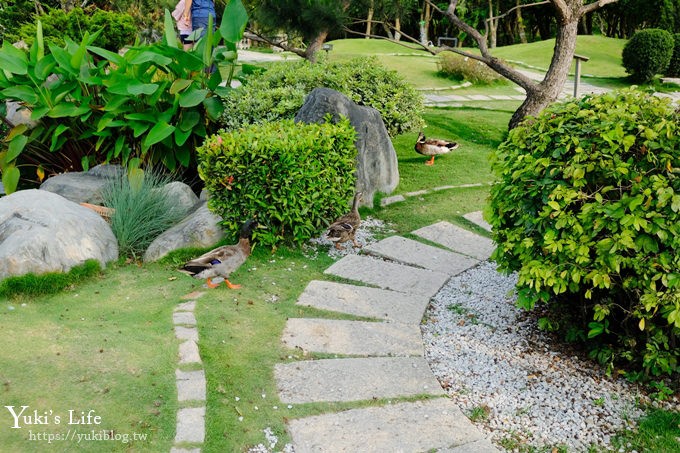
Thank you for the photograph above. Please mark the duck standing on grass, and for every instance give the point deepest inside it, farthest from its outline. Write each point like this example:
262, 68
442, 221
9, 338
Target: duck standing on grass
222, 261
345, 228
433, 147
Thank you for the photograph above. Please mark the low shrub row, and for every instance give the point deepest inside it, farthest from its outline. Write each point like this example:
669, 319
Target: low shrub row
461, 68
279, 92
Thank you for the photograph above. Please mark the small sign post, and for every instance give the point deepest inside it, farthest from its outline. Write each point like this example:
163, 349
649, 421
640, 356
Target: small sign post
577, 76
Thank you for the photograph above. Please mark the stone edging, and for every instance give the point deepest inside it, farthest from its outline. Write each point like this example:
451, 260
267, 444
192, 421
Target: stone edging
190, 379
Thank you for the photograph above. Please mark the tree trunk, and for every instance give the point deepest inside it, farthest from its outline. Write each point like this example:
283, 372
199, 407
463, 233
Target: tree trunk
520, 25
547, 91
369, 20
397, 29
425, 23
493, 27
314, 46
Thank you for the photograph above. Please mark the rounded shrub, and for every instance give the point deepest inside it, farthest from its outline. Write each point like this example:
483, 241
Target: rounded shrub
647, 53
294, 178
587, 211
458, 67
674, 66
279, 92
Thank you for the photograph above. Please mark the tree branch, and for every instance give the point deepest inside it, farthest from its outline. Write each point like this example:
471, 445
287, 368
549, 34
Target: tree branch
486, 57
596, 5
500, 16
385, 24
255, 36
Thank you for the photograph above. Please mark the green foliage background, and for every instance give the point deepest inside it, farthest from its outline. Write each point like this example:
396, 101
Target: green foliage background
279, 92
648, 53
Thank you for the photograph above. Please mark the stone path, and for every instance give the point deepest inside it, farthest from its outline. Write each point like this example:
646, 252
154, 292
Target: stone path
190, 379
380, 358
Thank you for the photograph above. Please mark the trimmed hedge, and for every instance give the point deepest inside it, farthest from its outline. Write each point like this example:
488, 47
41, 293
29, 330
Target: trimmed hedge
674, 66
587, 211
294, 178
647, 53
279, 92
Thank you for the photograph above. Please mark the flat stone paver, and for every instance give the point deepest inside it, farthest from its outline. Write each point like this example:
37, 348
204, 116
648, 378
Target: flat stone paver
184, 317
190, 385
186, 306
364, 301
405, 427
190, 425
188, 352
477, 218
479, 97
353, 337
458, 239
354, 379
408, 251
186, 333
388, 275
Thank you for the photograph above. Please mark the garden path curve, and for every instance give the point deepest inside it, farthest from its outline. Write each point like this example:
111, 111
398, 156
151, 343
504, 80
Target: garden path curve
381, 357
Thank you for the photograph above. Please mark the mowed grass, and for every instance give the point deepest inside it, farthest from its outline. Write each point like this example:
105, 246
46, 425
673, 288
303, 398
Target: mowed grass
106, 346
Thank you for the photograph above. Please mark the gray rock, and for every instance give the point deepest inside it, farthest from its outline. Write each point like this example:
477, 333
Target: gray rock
17, 114
83, 187
182, 195
2, 189
199, 229
377, 168
44, 232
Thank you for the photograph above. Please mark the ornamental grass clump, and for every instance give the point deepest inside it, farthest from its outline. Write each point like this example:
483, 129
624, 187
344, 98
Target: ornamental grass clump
460, 68
294, 178
142, 210
587, 211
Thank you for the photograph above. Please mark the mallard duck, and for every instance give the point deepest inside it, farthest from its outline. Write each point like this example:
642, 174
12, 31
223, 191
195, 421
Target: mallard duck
222, 261
433, 147
345, 227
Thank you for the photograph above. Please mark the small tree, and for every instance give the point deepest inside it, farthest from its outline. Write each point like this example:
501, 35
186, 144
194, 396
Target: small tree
647, 54
310, 21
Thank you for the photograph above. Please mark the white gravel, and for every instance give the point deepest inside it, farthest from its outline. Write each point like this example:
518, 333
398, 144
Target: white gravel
506, 375
366, 235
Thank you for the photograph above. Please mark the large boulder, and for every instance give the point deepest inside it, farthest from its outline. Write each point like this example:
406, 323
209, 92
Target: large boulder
44, 232
377, 167
83, 186
183, 196
199, 229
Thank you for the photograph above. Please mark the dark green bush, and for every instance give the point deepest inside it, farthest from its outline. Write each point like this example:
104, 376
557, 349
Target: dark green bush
117, 29
294, 178
587, 211
647, 53
674, 66
279, 93
458, 67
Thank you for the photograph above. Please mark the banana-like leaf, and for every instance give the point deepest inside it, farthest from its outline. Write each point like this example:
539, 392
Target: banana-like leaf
192, 98
10, 178
213, 107
112, 57
16, 146
234, 21
170, 36
150, 56
157, 134
22, 93
179, 85
12, 59
44, 67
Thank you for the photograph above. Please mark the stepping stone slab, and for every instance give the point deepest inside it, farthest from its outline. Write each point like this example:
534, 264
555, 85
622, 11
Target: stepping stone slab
354, 379
188, 352
416, 253
190, 385
364, 301
353, 337
186, 306
388, 275
404, 427
480, 446
190, 425
184, 317
186, 333
478, 219
458, 240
